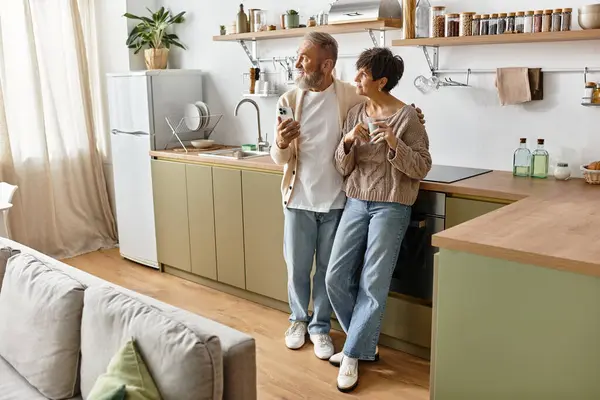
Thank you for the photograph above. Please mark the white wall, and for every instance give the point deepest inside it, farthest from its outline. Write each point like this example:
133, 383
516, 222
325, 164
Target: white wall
467, 126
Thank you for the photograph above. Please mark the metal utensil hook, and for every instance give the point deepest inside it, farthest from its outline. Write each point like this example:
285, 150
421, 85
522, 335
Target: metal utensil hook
585, 72
452, 82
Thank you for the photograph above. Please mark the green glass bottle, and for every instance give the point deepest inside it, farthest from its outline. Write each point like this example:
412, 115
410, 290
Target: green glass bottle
540, 161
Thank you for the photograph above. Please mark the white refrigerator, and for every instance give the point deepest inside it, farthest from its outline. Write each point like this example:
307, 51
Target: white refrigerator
139, 101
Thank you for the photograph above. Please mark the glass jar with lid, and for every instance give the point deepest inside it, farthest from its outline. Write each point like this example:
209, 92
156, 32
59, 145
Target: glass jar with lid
422, 20
547, 21
557, 20
566, 19
510, 22
466, 24
493, 24
528, 22
484, 27
476, 25
501, 23
437, 21
537, 21
519, 22
452, 25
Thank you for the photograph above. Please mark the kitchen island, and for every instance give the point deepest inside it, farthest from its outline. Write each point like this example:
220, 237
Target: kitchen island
517, 258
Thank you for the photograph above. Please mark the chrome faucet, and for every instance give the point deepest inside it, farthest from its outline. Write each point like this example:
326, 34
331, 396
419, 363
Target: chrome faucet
262, 145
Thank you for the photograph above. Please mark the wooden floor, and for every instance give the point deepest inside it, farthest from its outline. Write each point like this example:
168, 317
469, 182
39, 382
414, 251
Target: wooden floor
282, 373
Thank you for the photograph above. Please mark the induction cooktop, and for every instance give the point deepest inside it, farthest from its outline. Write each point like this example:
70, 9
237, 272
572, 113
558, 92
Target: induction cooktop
449, 174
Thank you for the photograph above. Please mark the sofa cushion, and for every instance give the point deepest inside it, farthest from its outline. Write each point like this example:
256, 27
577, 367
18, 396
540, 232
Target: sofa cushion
40, 321
5, 254
185, 364
14, 387
127, 373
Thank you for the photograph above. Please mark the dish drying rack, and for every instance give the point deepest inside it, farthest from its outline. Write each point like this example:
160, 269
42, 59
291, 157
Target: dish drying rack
181, 134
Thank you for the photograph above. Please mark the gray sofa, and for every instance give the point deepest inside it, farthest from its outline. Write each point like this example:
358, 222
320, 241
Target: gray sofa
59, 328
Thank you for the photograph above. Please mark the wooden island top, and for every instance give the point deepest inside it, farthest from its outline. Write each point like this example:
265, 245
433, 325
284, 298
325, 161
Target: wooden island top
550, 223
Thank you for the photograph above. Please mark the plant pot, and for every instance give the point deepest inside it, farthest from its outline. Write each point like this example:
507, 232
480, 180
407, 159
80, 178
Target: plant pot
292, 21
223, 32
156, 58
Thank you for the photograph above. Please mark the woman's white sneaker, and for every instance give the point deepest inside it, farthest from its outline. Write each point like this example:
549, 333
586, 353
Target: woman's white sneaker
323, 345
295, 336
347, 379
336, 359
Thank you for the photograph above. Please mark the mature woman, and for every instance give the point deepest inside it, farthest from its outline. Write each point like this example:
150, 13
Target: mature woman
383, 167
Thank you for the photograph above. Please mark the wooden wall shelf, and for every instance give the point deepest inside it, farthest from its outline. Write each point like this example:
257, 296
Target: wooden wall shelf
507, 38
299, 32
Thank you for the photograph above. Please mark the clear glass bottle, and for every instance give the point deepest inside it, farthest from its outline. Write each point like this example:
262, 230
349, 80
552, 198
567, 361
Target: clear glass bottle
522, 160
484, 26
547, 21
537, 21
519, 22
493, 30
540, 161
557, 20
466, 24
528, 22
510, 22
476, 25
422, 18
501, 23
566, 19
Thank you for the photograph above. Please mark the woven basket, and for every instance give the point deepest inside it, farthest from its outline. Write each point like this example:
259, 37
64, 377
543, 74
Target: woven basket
591, 176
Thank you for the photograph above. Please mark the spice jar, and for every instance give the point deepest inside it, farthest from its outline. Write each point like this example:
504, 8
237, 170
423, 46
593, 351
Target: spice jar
519, 22
452, 25
537, 21
493, 24
562, 172
484, 27
588, 93
501, 23
596, 95
547, 21
312, 22
566, 19
476, 25
438, 21
510, 22
557, 20
528, 22
466, 24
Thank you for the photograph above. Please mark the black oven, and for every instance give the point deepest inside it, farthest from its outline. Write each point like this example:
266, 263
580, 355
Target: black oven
413, 275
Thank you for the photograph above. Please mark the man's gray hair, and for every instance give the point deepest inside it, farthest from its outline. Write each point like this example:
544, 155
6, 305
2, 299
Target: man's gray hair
325, 42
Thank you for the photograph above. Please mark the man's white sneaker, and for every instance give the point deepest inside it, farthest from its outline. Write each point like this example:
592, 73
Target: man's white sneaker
323, 345
347, 379
295, 336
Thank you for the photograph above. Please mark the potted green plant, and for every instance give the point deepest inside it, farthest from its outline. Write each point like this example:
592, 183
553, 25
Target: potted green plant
292, 19
151, 34
223, 30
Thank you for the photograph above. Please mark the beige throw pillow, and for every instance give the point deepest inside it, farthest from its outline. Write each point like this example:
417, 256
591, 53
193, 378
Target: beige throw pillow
40, 325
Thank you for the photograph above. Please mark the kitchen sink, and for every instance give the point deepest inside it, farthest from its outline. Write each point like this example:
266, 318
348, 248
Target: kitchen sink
236, 153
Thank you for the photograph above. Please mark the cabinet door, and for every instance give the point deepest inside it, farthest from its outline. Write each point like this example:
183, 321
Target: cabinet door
462, 210
171, 214
201, 220
229, 230
266, 272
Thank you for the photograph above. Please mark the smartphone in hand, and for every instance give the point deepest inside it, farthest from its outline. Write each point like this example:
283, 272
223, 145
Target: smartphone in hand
285, 113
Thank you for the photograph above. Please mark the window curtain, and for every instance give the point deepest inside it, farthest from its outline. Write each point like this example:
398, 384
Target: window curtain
51, 123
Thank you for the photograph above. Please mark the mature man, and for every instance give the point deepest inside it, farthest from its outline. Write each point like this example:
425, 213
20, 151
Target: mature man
313, 199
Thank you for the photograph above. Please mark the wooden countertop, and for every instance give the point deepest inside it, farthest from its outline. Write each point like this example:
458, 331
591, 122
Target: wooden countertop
550, 223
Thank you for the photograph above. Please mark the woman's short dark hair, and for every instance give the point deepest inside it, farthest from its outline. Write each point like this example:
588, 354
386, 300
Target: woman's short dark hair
382, 63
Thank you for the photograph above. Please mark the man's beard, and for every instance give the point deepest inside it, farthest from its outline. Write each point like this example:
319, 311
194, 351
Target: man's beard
314, 80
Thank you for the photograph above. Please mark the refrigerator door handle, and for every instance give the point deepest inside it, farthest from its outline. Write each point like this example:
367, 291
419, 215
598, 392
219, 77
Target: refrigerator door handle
134, 133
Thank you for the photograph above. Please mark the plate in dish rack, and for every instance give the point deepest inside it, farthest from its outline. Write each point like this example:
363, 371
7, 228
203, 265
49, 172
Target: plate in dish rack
205, 113
193, 117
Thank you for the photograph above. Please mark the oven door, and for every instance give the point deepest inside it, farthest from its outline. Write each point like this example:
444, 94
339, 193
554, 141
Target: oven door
413, 275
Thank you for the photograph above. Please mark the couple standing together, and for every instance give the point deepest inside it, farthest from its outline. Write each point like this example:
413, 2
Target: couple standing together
347, 197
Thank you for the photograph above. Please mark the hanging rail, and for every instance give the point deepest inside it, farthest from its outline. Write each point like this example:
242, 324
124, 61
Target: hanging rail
585, 71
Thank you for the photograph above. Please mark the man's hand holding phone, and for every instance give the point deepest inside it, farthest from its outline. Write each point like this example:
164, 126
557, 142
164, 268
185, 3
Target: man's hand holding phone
287, 131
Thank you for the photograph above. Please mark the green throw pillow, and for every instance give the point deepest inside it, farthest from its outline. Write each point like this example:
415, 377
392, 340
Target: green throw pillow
127, 376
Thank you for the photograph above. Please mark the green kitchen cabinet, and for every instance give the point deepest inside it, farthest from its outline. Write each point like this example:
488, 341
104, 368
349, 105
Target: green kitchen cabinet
459, 210
201, 221
266, 272
171, 214
229, 228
